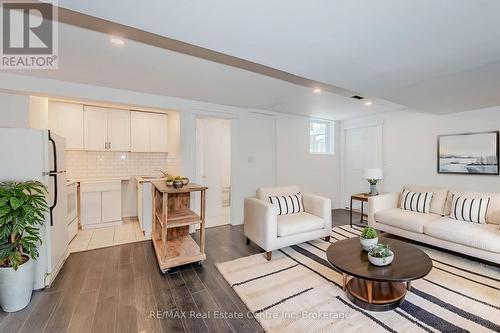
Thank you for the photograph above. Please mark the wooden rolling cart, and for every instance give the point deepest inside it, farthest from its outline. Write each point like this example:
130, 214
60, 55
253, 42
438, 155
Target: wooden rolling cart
172, 218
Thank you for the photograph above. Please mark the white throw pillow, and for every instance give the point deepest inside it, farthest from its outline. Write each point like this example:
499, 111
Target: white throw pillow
469, 209
416, 201
288, 204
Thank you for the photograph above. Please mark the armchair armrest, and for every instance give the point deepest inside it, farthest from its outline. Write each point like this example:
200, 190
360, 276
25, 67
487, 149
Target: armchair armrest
319, 206
260, 222
379, 203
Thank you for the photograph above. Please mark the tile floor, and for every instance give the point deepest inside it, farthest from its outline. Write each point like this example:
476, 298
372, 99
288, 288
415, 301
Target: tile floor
88, 239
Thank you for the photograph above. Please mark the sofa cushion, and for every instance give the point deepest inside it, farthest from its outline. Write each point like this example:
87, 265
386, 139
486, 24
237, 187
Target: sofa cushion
299, 223
405, 219
481, 236
416, 201
287, 204
263, 193
438, 198
469, 209
493, 212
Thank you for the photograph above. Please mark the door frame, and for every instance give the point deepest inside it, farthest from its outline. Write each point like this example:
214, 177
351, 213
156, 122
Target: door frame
196, 161
344, 196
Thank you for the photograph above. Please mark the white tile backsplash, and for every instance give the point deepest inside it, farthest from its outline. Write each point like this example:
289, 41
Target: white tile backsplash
111, 164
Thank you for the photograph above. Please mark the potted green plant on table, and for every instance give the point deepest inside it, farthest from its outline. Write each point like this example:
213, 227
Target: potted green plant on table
170, 180
368, 238
22, 210
178, 183
380, 255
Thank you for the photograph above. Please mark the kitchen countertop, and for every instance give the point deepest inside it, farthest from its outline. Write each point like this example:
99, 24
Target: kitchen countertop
98, 179
147, 179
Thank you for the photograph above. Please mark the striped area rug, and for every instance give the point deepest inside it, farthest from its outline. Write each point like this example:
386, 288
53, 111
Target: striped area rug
298, 291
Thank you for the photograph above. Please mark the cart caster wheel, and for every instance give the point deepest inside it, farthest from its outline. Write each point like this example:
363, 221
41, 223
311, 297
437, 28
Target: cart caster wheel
199, 263
165, 271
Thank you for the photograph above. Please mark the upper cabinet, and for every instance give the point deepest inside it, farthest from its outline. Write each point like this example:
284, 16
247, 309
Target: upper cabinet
148, 132
118, 130
96, 128
139, 131
66, 120
106, 129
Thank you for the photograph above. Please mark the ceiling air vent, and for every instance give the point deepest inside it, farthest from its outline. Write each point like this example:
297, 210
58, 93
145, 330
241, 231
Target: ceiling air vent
357, 97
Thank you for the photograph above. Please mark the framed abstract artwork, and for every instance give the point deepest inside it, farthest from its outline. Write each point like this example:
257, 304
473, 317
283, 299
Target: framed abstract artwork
468, 153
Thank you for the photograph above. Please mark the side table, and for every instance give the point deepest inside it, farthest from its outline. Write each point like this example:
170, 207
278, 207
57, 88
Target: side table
362, 197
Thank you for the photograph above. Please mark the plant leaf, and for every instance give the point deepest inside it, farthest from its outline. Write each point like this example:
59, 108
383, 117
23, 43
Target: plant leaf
16, 202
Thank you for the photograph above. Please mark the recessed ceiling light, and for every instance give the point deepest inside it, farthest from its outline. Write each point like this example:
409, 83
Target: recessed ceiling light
317, 90
117, 41
368, 103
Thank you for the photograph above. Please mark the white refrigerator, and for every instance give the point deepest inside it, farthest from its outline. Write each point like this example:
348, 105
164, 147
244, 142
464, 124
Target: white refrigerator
31, 154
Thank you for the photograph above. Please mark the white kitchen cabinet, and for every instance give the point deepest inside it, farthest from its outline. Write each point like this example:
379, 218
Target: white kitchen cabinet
118, 130
90, 208
111, 206
144, 207
101, 203
66, 120
96, 128
148, 132
139, 131
139, 205
106, 129
158, 132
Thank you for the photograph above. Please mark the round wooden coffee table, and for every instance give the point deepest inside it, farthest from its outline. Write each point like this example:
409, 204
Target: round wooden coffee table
377, 288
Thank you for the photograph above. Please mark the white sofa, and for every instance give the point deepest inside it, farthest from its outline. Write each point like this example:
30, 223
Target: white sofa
271, 231
436, 227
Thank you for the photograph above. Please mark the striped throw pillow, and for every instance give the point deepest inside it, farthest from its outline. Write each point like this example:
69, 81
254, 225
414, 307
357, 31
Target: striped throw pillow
416, 201
288, 204
469, 209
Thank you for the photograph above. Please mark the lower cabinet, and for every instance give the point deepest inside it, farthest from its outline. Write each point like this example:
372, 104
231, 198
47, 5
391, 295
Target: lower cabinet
139, 205
101, 204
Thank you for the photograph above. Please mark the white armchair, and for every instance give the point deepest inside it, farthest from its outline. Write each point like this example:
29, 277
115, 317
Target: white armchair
271, 231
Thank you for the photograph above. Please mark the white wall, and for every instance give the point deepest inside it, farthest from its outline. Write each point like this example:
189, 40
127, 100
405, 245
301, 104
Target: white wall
410, 147
14, 110
254, 137
253, 153
253, 158
315, 173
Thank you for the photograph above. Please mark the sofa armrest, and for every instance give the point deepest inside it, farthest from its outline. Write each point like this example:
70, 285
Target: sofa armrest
319, 206
379, 203
260, 222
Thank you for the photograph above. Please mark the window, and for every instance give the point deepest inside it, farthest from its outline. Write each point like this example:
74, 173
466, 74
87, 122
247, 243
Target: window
320, 137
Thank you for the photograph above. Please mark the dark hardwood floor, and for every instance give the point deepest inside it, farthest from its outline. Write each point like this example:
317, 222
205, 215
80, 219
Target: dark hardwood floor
120, 289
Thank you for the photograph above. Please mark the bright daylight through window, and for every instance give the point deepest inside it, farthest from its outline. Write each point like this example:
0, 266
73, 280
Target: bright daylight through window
320, 137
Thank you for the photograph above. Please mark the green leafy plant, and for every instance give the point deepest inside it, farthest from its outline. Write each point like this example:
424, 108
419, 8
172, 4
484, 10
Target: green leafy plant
373, 181
369, 233
22, 210
380, 251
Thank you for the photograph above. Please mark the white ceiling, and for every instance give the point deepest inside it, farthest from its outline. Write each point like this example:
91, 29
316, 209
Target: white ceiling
87, 56
434, 55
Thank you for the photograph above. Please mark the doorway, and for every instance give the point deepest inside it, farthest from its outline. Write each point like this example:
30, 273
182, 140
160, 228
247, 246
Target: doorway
363, 149
213, 167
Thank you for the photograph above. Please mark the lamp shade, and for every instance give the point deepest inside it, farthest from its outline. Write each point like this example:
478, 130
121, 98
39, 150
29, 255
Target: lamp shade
373, 173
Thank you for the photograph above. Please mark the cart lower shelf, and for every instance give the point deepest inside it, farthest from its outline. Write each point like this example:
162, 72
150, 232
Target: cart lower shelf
180, 251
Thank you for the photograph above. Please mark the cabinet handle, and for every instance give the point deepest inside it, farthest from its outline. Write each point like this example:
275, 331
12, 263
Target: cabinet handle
105, 145
109, 145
